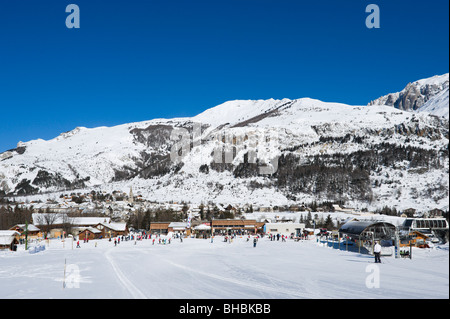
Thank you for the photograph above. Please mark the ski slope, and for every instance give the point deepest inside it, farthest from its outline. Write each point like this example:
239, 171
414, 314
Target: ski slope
199, 269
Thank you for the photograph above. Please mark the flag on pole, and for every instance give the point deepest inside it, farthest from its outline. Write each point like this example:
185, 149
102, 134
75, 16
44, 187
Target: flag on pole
26, 234
189, 220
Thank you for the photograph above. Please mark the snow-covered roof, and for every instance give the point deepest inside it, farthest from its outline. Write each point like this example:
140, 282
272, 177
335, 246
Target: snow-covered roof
89, 220
115, 226
60, 218
354, 227
92, 230
202, 227
178, 225
4, 233
7, 236
31, 227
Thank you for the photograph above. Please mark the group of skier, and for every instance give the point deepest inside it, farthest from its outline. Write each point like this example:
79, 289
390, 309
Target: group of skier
277, 237
227, 238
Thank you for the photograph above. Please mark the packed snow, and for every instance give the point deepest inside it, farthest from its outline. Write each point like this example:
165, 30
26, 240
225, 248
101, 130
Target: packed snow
201, 269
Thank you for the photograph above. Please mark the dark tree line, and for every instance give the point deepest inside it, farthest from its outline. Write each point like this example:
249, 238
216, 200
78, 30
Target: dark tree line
10, 216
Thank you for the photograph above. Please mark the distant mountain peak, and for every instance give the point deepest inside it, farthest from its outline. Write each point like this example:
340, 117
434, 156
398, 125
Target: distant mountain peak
425, 95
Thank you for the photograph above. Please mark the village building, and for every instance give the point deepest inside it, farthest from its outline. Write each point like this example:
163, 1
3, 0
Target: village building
53, 224
178, 227
109, 230
202, 230
284, 229
434, 213
163, 228
32, 231
9, 239
414, 238
222, 226
340, 209
160, 228
131, 196
90, 233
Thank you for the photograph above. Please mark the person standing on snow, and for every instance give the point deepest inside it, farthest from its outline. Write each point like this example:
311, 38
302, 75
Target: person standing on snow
255, 240
377, 252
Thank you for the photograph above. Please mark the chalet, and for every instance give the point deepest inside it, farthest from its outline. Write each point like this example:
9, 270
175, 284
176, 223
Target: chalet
225, 225
161, 228
33, 231
164, 228
410, 212
112, 229
9, 239
55, 223
414, 238
194, 212
90, 233
434, 213
340, 209
177, 227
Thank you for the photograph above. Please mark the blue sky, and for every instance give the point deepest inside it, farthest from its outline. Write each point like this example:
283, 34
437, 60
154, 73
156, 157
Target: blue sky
136, 60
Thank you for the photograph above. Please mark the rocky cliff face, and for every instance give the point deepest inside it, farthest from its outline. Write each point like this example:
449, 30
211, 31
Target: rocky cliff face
416, 95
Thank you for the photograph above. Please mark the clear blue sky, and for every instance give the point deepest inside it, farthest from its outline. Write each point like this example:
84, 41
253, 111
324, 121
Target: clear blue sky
136, 60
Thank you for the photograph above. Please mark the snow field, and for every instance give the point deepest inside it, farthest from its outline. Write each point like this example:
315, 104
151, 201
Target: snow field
199, 269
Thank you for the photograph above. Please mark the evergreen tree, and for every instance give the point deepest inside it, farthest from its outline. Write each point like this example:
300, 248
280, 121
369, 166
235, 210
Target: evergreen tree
329, 223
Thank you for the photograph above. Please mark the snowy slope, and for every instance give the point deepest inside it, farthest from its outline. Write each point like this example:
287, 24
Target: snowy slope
368, 156
437, 105
233, 112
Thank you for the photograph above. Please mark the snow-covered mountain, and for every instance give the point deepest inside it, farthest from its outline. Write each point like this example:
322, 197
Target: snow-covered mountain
426, 95
280, 152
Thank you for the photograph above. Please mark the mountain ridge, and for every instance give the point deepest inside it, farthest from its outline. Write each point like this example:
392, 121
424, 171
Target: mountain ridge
283, 152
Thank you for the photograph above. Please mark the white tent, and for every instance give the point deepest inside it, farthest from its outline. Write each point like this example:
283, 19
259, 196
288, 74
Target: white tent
202, 227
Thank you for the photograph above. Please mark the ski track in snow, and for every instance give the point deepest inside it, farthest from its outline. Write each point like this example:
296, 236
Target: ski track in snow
125, 282
240, 282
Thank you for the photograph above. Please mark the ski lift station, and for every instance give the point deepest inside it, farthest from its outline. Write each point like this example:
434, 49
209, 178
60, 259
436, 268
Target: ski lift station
367, 230
361, 235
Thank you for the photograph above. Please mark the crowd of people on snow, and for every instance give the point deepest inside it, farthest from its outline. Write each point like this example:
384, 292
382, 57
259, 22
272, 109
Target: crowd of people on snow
228, 237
